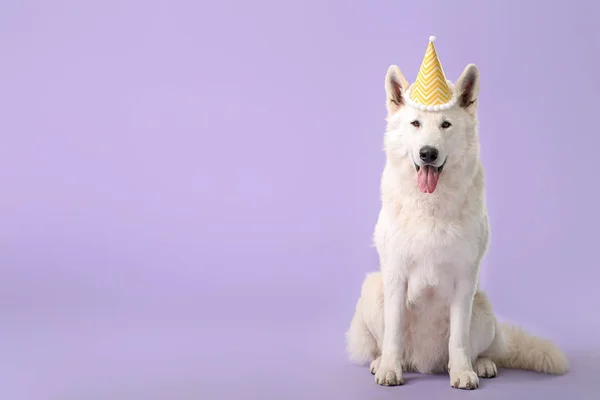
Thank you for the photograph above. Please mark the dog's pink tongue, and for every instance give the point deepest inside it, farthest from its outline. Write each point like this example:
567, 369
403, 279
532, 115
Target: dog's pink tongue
427, 178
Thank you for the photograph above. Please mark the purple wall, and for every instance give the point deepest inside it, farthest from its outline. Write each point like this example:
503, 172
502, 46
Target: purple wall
189, 189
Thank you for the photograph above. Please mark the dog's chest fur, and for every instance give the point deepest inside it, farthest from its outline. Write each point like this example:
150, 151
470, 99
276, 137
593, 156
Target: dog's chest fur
431, 249
434, 252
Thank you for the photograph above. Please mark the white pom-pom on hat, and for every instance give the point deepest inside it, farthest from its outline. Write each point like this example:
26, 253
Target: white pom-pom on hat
432, 38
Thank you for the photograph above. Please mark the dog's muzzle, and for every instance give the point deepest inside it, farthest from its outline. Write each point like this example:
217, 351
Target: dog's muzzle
438, 169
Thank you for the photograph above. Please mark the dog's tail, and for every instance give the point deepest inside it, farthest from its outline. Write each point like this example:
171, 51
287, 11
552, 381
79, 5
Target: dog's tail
526, 351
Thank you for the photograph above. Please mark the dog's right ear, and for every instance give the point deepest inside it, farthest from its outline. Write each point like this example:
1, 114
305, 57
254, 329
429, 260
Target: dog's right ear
395, 86
468, 88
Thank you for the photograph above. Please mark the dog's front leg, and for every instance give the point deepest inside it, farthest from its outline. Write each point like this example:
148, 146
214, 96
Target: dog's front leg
389, 372
462, 375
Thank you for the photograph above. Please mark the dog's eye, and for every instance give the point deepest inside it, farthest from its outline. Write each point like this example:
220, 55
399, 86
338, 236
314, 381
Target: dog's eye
416, 124
446, 124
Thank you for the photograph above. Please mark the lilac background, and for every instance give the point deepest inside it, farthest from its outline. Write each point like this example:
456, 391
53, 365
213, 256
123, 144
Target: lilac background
189, 190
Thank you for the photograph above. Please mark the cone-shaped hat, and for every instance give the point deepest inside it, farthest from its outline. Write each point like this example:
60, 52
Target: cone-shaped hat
431, 91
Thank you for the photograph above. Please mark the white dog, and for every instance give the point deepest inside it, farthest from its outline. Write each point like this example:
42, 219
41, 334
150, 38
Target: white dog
424, 311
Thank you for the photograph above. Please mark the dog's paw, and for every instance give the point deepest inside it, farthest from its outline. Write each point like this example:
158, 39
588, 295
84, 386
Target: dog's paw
485, 368
464, 380
389, 373
375, 365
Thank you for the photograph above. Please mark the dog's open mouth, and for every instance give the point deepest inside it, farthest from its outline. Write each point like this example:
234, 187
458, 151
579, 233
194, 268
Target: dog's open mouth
427, 176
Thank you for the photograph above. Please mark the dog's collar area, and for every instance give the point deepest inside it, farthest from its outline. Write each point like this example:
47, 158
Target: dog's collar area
438, 169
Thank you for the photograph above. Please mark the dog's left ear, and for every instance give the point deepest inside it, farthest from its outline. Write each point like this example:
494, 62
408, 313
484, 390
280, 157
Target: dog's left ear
468, 88
395, 86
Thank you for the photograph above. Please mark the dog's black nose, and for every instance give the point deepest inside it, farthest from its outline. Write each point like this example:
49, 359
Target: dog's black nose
428, 154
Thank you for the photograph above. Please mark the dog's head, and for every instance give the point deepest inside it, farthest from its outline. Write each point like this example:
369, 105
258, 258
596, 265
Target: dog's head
432, 146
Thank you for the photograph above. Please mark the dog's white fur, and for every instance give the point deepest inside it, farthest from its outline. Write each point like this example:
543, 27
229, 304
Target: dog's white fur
424, 310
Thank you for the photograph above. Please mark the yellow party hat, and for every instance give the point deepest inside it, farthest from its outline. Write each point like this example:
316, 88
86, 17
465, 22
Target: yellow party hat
431, 91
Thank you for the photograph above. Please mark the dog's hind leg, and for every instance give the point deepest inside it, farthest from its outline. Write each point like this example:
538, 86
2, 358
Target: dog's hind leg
486, 340
361, 343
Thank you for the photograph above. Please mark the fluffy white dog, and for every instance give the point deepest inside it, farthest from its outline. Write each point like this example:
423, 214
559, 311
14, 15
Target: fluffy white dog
424, 311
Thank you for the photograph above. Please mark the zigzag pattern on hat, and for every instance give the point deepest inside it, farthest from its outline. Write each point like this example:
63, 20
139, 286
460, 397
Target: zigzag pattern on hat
431, 88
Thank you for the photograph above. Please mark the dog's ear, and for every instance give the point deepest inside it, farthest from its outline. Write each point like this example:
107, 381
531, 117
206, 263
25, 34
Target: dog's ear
395, 86
468, 88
